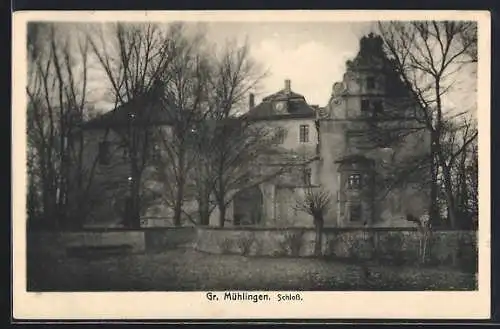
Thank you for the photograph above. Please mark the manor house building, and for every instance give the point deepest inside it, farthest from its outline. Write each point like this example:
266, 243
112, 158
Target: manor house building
352, 147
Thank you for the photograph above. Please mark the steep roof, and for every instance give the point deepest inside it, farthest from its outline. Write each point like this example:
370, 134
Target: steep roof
296, 106
283, 94
143, 111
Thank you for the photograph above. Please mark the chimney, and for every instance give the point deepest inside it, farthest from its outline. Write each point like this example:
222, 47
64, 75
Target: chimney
288, 87
251, 101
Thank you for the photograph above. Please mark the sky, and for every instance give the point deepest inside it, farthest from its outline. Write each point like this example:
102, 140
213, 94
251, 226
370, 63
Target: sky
311, 54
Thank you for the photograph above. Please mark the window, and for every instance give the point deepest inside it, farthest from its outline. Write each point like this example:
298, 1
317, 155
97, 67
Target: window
374, 107
365, 105
125, 153
355, 212
307, 174
370, 83
304, 133
354, 181
378, 107
156, 152
280, 136
104, 154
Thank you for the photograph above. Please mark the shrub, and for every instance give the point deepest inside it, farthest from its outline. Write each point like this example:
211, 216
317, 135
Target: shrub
245, 242
259, 247
360, 249
467, 256
331, 244
394, 252
225, 245
292, 242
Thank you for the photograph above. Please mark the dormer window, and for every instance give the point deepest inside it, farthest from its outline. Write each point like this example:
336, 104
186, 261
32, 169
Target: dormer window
280, 106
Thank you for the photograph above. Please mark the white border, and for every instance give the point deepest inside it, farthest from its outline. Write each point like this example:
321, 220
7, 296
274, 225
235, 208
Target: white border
194, 305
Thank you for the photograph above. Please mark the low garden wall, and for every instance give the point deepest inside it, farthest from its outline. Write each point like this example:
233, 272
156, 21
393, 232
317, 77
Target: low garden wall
57, 243
393, 245
169, 238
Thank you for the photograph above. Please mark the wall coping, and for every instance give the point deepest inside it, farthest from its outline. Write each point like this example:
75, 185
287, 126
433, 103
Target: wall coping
326, 229
111, 229
242, 228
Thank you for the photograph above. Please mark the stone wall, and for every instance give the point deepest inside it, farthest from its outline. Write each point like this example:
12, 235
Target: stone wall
56, 244
392, 245
171, 238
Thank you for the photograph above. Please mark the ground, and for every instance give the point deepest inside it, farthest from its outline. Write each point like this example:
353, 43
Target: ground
188, 270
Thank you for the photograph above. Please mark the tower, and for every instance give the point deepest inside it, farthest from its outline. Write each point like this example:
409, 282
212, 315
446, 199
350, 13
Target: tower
363, 137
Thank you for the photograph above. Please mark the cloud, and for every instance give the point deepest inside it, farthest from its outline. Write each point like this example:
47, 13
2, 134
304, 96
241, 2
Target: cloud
312, 67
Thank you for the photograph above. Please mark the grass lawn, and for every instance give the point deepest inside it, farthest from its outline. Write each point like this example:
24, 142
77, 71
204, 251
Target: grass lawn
189, 270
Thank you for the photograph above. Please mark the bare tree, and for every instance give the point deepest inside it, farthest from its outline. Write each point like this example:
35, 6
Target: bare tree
429, 57
459, 141
471, 179
240, 158
316, 203
185, 104
424, 227
57, 89
227, 143
136, 59
202, 174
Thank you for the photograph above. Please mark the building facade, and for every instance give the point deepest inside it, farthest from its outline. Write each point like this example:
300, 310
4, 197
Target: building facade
351, 148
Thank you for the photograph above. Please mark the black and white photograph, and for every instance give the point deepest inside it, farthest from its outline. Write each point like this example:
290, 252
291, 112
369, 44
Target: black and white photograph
251, 161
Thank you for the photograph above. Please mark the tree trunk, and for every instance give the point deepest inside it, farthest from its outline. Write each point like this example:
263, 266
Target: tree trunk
203, 212
204, 218
462, 195
222, 213
424, 247
318, 243
178, 205
135, 201
449, 195
180, 180
134, 216
433, 209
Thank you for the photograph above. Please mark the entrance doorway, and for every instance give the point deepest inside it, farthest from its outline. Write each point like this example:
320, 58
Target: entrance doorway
248, 206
